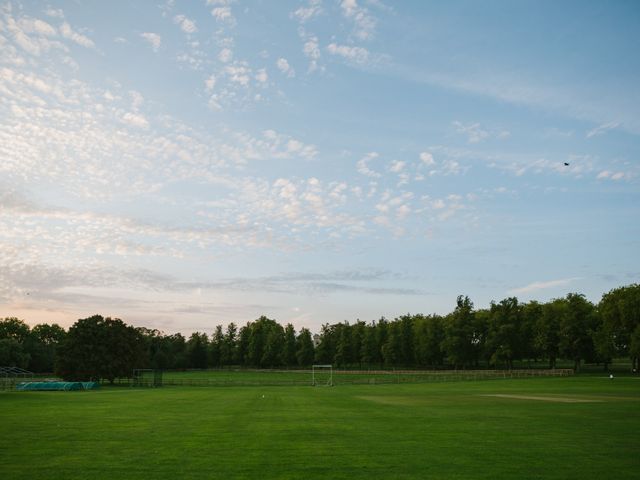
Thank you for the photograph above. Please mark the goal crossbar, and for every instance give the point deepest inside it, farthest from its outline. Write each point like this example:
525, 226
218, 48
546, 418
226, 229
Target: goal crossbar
322, 375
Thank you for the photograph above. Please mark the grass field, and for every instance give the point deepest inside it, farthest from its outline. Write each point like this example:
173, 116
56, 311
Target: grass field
547, 428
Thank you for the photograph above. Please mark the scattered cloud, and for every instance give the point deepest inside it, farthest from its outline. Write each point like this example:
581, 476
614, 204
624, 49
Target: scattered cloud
602, 129
427, 159
285, 68
535, 286
364, 22
358, 55
608, 175
186, 25
225, 55
153, 39
306, 13
69, 33
475, 133
222, 11
363, 165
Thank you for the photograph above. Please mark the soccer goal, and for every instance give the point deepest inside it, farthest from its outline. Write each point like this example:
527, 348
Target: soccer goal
146, 378
322, 375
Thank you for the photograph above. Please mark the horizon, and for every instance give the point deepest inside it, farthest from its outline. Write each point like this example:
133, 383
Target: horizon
184, 165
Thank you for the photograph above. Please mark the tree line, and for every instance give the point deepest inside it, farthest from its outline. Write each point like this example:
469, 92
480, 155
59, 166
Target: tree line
569, 328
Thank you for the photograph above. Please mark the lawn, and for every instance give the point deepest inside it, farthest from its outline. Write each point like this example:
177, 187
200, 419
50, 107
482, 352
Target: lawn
550, 428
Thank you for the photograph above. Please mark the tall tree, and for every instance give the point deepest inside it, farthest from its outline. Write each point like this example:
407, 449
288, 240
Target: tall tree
304, 348
100, 348
42, 343
546, 337
504, 338
460, 343
575, 327
197, 350
231, 342
620, 313
217, 348
290, 347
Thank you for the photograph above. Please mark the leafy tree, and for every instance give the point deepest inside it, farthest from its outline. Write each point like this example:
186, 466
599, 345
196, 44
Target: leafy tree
217, 348
504, 338
14, 328
428, 337
546, 340
620, 313
304, 348
405, 339
100, 348
369, 347
12, 353
344, 346
231, 343
273, 347
197, 350
325, 351
460, 344
575, 327
290, 347
42, 343
392, 349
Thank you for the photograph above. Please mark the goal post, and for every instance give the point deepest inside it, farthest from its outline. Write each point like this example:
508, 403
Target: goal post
146, 377
322, 375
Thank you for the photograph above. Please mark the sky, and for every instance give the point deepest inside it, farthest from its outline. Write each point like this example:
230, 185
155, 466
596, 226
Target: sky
184, 164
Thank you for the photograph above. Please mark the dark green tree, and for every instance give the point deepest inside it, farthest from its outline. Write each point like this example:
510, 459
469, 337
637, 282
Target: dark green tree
460, 344
304, 348
98, 348
290, 347
197, 350
504, 342
42, 343
620, 313
576, 325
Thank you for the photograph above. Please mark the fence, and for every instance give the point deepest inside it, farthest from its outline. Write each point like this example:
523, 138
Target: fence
221, 378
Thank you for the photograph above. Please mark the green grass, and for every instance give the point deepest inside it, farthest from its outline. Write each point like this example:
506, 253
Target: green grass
433, 430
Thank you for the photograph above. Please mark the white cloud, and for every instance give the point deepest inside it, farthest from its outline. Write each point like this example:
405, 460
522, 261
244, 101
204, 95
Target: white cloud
222, 11
311, 50
135, 120
262, 76
363, 167
397, 166
186, 25
304, 14
210, 83
357, 55
427, 159
136, 100
602, 129
475, 133
535, 286
153, 39
55, 13
364, 23
606, 174
284, 67
69, 33
225, 55
37, 26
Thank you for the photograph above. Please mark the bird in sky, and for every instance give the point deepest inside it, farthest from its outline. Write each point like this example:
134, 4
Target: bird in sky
566, 164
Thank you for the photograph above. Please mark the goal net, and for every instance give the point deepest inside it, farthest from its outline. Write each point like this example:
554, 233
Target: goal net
146, 378
322, 375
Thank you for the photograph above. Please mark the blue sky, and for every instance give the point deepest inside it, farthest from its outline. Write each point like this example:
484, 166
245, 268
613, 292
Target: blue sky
186, 164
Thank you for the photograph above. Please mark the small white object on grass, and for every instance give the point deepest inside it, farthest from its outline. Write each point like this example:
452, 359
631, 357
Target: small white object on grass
262, 396
611, 375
